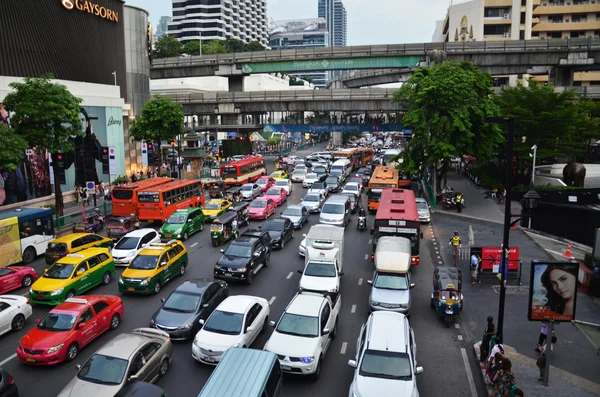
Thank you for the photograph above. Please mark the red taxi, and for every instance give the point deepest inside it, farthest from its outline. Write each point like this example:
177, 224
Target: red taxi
277, 194
265, 182
14, 277
261, 208
68, 328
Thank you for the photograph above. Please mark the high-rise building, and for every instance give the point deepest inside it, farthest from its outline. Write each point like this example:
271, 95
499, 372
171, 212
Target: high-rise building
244, 20
340, 24
326, 11
163, 26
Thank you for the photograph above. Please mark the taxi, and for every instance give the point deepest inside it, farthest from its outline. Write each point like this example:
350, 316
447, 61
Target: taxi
73, 275
277, 194
215, 207
265, 182
153, 267
183, 223
74, 242
277, 175
261, 208
69, 327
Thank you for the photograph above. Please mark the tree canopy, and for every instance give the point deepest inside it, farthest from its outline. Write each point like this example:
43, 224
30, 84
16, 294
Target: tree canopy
208, 47
167, 47
161, 120
11, 148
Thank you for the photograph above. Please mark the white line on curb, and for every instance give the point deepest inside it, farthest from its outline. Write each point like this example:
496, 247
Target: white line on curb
272, 300
456, 325
440, 262
344, 347
360, 280
8, 359
469, 374
290, 275
353, 310
370, 241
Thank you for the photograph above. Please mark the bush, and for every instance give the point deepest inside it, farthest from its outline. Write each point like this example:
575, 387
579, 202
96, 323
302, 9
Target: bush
590, 262
52, 207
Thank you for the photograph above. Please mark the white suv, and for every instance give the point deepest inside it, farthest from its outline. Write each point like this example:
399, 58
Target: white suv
304, 333
131, 244
385, 363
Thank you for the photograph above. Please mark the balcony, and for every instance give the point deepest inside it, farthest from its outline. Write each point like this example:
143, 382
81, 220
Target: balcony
563, 8
497, 21
565, 26
498, 3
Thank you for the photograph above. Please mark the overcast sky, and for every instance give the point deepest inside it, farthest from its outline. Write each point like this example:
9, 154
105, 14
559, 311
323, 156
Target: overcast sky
369, 21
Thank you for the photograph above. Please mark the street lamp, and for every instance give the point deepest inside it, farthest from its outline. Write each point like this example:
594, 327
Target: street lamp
173, 161
529, 202
534, 148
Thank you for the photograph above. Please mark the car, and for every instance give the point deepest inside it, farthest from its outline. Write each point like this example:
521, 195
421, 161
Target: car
183, 223
339, 174
302, 248
320, 170
261, 208
385, 362
280, 231
153, 267
285, 184
13, 277
236, 322
304, 333
319, 188
243, 258
132, 243
355, 179
361, 172
144, 354
277, 194
333, 183
73, 275
309, 179
192, 301
68, 328
14, 312
353, 202
298, 175
279, 175
291, 160
216, 207
250, 191
300, 166
423, 210
320, 276
313, 202
8, 386
265, 182
297, 214
352, 187
72, 243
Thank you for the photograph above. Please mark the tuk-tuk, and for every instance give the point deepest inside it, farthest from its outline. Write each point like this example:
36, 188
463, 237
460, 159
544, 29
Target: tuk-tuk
224, 228
241, 209
234, 194
91, 224
447, 298
215, 188
118, 227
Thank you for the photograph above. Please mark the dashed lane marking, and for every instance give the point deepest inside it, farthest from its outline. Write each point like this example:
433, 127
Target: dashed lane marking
459, 337
440, 262
360, 280
366, 256
469, 373
353, 310
370, 241
344, 347
290, 275
7, 359
193, 245
456, 325
272, 300
439, 257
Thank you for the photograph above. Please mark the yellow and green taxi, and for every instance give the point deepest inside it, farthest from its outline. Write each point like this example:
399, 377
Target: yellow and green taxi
277, 175
215, 207
183, 223
153, 267
72, 275
74, 242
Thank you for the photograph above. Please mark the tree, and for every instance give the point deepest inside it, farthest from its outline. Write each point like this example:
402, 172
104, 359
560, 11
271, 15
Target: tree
255, 46
235, 45
588, 125
166, 47
46, 115
447, 105
11, 148
214, 47
191, 48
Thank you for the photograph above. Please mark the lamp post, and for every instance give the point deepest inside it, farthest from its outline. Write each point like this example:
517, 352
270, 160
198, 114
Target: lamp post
174, 160
534, 148
179, 157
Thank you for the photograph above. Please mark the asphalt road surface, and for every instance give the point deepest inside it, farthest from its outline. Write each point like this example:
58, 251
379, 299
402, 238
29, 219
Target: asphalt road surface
444, 353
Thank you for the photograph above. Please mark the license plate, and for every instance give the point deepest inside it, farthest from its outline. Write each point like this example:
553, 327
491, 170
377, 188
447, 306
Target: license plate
130, 289
30, 359
167, 235
228, 275
40, 297
286, 368
209, 359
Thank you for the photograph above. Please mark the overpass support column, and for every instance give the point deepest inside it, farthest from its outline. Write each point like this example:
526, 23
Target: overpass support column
236, 83
561, 77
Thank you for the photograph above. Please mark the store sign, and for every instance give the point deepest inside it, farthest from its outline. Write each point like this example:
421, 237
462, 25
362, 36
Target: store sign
332, 64
91, 8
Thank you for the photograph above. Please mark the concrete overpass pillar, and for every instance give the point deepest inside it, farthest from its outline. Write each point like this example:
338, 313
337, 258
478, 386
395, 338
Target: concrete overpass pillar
236, 83
561, 77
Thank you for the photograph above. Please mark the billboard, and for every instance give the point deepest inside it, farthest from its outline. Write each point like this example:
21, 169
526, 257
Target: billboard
490, 258
553, 291
10, 242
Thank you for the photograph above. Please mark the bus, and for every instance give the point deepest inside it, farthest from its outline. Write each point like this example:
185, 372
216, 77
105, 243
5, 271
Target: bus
365, 155
243, 171
397, 216
124, 198
159, 202
389, 155
24, 234
351, 154
383, 178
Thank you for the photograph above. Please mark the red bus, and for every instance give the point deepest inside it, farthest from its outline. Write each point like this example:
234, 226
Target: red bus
243, 171
159, 202
124, 198
397, 215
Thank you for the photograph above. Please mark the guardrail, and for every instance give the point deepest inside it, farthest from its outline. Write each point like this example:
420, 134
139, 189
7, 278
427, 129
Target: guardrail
566, 44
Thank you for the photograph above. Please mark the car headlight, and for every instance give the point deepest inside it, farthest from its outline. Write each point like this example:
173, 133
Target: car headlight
178, 231
131, 253
186, 326
146, 281
374, 303
217, 267
58, 291
240, 270
307, 360
55, 348
121, 280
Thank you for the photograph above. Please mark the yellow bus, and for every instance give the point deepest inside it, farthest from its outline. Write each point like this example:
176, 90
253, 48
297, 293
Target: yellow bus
384, 177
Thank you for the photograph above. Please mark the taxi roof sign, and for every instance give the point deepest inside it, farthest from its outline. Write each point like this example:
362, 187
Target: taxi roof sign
76, 256
77, 300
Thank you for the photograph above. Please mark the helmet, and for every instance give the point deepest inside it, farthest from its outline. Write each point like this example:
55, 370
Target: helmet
456, 232
490, 319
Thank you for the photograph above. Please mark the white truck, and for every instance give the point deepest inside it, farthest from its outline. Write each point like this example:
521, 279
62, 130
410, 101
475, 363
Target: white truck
324, 259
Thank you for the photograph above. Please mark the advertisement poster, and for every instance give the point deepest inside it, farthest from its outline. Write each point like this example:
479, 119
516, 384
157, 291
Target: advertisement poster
553, 291
10, 242
490, 259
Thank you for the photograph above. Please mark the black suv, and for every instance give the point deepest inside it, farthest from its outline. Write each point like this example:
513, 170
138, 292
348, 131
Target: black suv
244, 257
280, 231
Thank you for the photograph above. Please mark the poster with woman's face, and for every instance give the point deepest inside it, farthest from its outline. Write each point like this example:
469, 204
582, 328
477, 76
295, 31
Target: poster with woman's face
553, 291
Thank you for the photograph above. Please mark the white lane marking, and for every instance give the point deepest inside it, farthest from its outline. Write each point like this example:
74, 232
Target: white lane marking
344, 347
8, 359
469, 374
434, 243
353, 310
193, 245
366, 256
370, 241
440, 262
360, 280
459, 337
456, 325
438, 257
290, 275
272, 300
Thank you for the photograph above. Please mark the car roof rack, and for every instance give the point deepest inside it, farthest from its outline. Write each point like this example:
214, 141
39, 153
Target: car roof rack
77, 300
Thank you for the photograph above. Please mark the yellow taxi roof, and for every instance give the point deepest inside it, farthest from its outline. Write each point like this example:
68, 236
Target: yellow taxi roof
155, 249
70, 237
216, 201
75, 258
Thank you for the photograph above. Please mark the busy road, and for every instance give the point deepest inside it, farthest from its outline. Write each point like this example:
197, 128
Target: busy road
441, 351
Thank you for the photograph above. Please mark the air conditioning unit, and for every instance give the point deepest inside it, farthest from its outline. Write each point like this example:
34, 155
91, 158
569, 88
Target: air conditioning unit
568, 3
567, 20
506, 16
506, 34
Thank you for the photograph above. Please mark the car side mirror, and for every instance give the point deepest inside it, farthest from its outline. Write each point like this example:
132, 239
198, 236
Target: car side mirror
163, 300
419, 370
133, 377
201, 321
37, 321
162, 264
340, 273
326, 331
222, 251
272, 323
250, 329
412, 285
352, 363
81, 325
301, 271
370, 282
78, 367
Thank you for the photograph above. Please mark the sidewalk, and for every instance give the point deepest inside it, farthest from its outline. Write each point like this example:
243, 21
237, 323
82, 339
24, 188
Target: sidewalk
562, 383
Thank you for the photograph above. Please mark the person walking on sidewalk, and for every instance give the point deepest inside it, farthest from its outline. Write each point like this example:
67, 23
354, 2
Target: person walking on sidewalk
420, 189
543, 336
459, 201
474, 266
504, 380
490, 330
456, 244
84, 196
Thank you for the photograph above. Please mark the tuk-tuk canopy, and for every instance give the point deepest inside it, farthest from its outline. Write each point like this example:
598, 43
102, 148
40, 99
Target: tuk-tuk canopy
447, 278
238, 207
227, 217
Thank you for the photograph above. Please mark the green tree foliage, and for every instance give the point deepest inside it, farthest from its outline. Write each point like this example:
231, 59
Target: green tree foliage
588, 125
191, 48
220, 47
161, 120
214, 47
166, 47
235, 45
446, 105
46, 115
11, 148
255, 46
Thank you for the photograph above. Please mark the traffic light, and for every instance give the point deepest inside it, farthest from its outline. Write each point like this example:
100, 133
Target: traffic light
104, 160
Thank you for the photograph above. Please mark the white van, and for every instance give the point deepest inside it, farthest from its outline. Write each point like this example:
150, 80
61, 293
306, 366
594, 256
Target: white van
336, 211
343, 165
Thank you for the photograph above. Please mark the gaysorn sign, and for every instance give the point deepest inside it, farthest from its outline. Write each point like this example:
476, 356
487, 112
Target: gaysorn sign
91, 8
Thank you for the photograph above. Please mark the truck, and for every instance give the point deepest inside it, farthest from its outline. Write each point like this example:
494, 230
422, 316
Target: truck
324, 260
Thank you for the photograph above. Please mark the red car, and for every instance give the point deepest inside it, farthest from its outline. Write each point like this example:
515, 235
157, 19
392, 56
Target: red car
261, 208
277, 194
68, 328
14, 277
265, 182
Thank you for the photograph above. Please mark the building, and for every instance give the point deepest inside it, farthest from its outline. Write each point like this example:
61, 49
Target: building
326, 9
163, 26
340, 24
244, 20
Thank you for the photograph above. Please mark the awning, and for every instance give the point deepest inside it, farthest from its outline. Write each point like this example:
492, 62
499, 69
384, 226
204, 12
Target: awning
193, 153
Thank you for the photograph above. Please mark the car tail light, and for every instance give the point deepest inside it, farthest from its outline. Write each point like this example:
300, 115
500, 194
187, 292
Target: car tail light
372, 257
27, 301
11, 381
415, 260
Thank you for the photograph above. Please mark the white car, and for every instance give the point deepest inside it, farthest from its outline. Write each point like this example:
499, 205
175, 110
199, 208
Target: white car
250, 191
291, 160
14, 311
320, 276
302, 248
304, 333
298, 175
313, 202
131, 244
319, 188
352, 187
285, 184
309, 179
236, 322
423, 210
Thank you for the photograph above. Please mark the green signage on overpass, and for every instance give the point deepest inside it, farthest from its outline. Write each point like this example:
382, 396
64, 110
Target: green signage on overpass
332, 64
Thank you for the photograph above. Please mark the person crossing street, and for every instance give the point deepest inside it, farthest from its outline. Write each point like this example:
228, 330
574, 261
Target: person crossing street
456, 243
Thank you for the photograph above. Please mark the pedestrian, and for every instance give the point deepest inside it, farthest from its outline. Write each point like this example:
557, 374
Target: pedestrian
541, 362
459, 200
456, 243
420, 188
498, 348
95, 195
479, 268
133, 177
76, 194
543, 336
83, 196
490, 330
495, 366
101, 189
504, 380
474, 266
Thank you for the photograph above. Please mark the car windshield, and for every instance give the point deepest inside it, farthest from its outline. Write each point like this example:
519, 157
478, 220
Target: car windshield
57, 322
333, 209
332, 180
297, 325
104, 370
318, 185
243, 251
224, 323
351, 187
385, 364
311, 177
182, 302
391, 281
176, 219
57, 247
282, 183
292, 212
261, 182
311, 197
247, 188
422, 206
273, 226
258, 204
273, 192
320, 169
60, 271
316, 269
144, 262
127, 243
299, 173
212, 206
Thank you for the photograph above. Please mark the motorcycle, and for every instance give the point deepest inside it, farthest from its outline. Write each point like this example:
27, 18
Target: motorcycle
449, 201
362, 223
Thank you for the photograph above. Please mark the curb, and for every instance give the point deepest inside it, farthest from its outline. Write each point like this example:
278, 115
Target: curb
469, 217
491, 392
579, 246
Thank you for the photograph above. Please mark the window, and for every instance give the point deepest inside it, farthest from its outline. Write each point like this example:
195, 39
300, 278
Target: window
93, 262
178, 249
99, 306
252, 314
86, 316
272, 388
150, 350
77, 243
209, 294
325, 316
522, 35
172, 253
91, 238
522, 18
81, 268
5, 272
102, 258
3, 306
